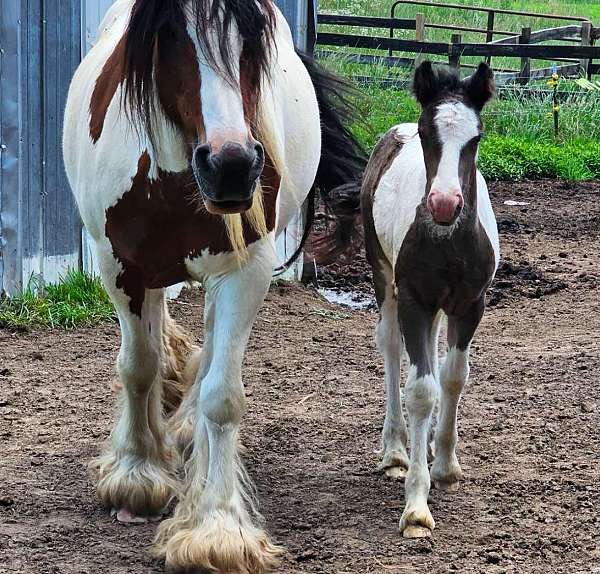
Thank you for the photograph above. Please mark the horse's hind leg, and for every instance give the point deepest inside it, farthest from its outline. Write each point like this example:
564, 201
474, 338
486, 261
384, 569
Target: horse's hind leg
389, 340
214, 526
445, 471
134, 474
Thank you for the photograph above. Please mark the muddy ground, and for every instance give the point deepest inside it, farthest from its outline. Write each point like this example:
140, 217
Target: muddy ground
529, 423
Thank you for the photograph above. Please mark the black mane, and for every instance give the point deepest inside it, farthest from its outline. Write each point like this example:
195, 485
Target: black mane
255, 20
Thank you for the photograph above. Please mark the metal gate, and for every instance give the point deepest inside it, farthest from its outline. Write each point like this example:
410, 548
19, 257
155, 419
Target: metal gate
39, 225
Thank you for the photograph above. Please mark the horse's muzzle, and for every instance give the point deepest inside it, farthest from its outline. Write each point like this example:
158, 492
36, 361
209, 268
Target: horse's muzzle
227, 179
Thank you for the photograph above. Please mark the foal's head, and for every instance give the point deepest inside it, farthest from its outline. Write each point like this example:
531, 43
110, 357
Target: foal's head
450, 129
204, 61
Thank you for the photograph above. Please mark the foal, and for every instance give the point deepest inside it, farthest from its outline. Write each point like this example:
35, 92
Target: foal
432, 241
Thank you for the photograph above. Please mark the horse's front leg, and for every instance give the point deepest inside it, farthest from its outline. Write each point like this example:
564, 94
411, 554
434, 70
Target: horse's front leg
445, 471
135, 475
421, 394
214, 525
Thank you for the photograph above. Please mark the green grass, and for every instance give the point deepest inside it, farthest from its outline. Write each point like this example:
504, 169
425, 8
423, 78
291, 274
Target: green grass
519, 130
77, 300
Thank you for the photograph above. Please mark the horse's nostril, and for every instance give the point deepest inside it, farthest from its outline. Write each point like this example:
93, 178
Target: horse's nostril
201, 157
259, 150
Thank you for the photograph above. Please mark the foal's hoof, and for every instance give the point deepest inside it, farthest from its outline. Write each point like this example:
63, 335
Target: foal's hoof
413, 531
394, 464
417, 523
395, 471
447, 486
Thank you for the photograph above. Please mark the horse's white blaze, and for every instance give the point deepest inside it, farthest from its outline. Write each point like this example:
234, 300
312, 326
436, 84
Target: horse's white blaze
456, 125
221, 101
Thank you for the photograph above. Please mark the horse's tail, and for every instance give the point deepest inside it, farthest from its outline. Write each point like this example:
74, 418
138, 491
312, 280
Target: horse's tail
343, 160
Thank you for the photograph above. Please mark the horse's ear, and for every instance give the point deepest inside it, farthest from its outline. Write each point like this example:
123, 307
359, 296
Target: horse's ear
425, 84
480, 86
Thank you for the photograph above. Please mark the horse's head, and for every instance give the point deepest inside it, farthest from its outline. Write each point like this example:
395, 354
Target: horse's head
210, 57
450, 129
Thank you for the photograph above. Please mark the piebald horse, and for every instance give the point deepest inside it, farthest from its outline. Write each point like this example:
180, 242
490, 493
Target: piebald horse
432, 241
193, 133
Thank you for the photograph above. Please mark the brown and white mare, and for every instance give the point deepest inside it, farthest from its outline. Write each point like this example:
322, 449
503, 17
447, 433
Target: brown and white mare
432, 241
193, 132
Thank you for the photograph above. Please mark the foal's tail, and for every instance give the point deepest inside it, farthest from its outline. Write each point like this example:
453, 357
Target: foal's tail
343, 160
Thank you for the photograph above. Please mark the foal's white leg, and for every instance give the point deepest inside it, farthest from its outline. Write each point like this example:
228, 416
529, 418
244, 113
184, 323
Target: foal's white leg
445, 471
434, 355
134, 475
394, 437
213, 527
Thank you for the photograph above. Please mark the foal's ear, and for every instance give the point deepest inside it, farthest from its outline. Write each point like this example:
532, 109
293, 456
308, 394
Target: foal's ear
425, 84
480, 86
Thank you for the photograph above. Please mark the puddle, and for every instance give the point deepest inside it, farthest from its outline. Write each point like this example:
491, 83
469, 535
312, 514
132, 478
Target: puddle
351, 299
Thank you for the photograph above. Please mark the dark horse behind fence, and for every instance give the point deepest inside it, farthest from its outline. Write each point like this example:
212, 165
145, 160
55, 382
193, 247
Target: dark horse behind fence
193, 133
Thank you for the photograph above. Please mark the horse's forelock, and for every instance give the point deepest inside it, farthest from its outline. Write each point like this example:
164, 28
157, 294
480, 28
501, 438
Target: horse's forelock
255, 22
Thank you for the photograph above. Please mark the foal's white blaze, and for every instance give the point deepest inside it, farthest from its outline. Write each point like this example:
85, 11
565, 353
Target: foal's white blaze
456, 124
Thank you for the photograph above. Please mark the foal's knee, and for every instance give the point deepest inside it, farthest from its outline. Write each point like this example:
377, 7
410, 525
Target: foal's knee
421, 394
455, 371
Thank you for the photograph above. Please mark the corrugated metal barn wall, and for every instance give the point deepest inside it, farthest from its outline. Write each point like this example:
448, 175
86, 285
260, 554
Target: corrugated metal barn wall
39, 224
41, 43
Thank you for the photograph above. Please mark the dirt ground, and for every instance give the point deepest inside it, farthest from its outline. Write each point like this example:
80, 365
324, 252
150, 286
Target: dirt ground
529, 423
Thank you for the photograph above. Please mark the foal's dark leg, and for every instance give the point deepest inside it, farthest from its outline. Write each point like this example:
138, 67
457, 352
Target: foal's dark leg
421, 394
446, 472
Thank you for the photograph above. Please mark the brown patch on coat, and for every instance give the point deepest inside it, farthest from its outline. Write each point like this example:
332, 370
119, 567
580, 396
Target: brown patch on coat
177, 79
108, 81
178, 82
250, 78
450, 273
159, 223
386, 150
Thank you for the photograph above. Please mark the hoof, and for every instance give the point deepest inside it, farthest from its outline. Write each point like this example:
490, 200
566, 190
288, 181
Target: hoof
447, 486
221, 543
396, 472
394, 464
417, 523
446, 474
136, 487
412, 531
125, 517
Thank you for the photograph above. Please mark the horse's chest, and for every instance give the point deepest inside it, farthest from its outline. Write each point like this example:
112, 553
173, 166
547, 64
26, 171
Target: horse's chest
450, 273
159, 224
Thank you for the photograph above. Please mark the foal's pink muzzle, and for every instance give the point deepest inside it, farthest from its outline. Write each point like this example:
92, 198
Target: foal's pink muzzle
445, 207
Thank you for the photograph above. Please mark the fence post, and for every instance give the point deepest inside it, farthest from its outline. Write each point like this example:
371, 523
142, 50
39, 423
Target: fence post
453, 53
525, 62
419, 35
490, 33
586, 40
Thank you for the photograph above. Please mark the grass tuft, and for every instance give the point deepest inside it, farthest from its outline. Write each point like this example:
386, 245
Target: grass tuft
77, 300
